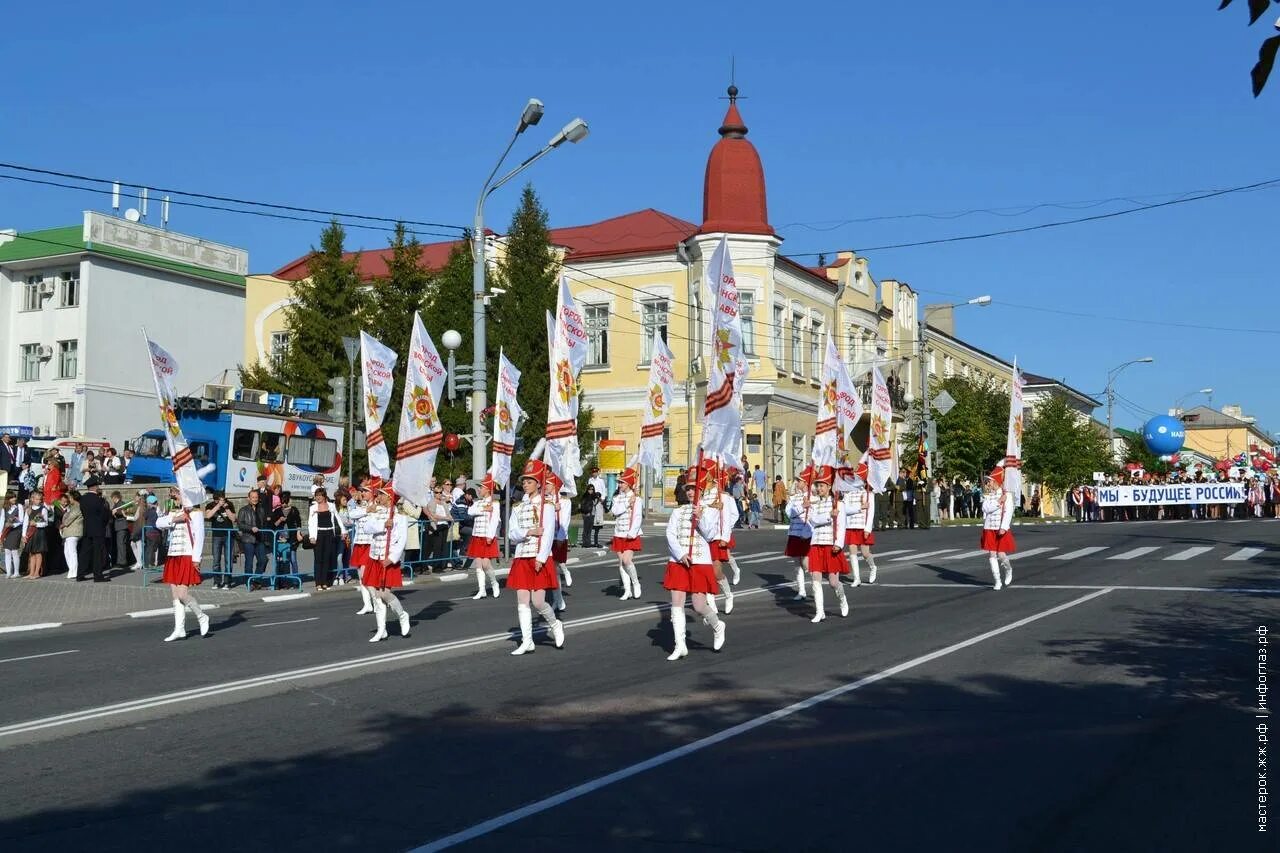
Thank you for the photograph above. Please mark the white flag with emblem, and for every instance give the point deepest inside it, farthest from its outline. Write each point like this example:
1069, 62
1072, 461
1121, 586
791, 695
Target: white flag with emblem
376, 365
657, 404
1013, 442
421, 433
722, 411
163, 369
880, 463
506, 415
566, 354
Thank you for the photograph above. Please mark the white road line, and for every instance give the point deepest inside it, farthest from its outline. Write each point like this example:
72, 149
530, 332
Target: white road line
45, 655
503, 820
1082, 587
1135, 553
163, 611
1082, 552
1245, 554
37, 626
289, 622
1031, 552
967, 555
918, 557
1190, 552
883, 554
286, 597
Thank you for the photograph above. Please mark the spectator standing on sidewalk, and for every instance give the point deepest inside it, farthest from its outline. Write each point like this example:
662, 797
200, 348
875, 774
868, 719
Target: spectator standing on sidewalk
112, 468
150, 533
907, 485
35, 539
327, 535
71, 526
220, 527
287, 523
461, 513
587, 506
759, 480
780, 498
12, 521
75, 463
97, 516
253, 521
7, 464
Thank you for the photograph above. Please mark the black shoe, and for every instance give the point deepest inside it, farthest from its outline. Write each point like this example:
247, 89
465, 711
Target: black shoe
102, 580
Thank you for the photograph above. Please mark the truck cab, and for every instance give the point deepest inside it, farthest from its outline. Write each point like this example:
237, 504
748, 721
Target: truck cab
151, 462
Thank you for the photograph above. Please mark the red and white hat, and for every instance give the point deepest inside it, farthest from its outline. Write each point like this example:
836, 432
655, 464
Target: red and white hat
630, 478
535, 469
825, 474
806, 475
997, 475
489, 483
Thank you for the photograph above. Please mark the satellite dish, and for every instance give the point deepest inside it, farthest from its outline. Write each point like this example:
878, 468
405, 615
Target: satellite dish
132, 215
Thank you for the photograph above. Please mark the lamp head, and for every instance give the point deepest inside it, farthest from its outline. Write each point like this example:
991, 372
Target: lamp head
531, 115
1146, 360
985, 299
1205, 391
575, 131
451, 339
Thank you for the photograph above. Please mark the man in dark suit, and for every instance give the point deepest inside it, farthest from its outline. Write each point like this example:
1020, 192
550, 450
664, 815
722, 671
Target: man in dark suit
7, 462
97, 521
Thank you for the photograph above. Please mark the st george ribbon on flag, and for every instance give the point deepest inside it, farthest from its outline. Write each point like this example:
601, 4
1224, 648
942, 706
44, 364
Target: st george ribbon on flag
376, 365
421, 432
722, 412
567, 353
839, 410
657, 404
164, 367
879, 450
506, 416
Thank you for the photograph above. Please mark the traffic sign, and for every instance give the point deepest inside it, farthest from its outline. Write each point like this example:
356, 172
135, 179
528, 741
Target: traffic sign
944, 402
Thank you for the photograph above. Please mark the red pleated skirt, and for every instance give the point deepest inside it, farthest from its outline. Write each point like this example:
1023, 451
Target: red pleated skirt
377, 576
620, 544
859, 537
993, 540
523, 575
482, 548
796, 547
560, 551
359, 556
699, 577
821, 560
181, 569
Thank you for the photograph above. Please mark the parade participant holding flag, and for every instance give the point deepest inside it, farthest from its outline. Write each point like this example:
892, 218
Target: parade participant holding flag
376, 365
1013, 440
185, 526
388, 531
859, 506
716, 501
629, 515
556, 497
361, 504
483, 547
532, 528
567, 353
997, 517
826, 548
689, 572
799, 533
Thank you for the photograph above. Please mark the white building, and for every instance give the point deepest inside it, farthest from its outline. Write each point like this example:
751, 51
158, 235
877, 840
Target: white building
73, 302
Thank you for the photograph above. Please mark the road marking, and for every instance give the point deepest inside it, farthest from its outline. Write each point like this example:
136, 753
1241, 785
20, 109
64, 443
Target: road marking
1031, 552
37, 626
163, 611
503, 820
289, 622
1135, 553
45, 655
1190, 552
1245, 554
891, 553
286, 597
967, 555
918, 557
1082, 587
1082, 552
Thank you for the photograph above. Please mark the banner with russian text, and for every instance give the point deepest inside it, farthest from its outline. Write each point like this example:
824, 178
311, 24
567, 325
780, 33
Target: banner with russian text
506, 415
376, 365
880, 456
722, 411
1174, 493
421, 432
567, 353
1013, 441
164, 367
657, 404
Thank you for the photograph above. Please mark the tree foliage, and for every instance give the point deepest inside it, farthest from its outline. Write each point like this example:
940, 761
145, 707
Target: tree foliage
1060, 449
449, 307
1269, 48
1135, 450
971, 437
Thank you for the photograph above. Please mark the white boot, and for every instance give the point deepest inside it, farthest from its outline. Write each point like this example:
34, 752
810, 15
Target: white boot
635, 580
201, 619
800, 581
398, 609
380, 617
718, 627
568, 576
555, 625
871, 576
857, 568
677, 629
557, 599
995, 569
626, 581
366, 598
842, 598
819, 605
493, 582
479, 583
1008, 570
728, 595
179, 623
737, 574
525, 617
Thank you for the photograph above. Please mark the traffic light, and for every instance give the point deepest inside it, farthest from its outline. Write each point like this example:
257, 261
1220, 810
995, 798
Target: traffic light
338, 399
459, 381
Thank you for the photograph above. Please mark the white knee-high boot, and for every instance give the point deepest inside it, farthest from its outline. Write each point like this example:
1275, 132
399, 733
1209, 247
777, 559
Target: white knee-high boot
841, 597
366, 598
525, 616
565, 574
995, 568
179, 623
717, 626
493, 581
857, 568
557, 599
1008, 569
871, 575
819, 605
737, 573
201, 619
801, 576
479, 583
626, 581
394, 605
727, 589
380, 619
635, 580
556, 626
677, 628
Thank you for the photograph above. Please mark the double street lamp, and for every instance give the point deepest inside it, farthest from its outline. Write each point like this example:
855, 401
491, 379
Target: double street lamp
1178, 405
575, 131
1111, 398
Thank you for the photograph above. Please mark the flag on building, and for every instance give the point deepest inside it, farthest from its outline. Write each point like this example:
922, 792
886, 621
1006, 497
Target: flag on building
163, 369
1013, 441
421, 433
567, 353
880, 462
506, 415
722, 411
657, 404
376, 365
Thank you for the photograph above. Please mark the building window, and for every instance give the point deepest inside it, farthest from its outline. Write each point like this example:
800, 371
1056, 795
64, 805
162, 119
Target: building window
68, 352
775, 335
279, 348
797, 348
653, 315
933, 363
777, 454
597, 322
31, 293
747, 313
69, 289
965, 370
797, 453
815, 352
948, 366
64, 418
30, 362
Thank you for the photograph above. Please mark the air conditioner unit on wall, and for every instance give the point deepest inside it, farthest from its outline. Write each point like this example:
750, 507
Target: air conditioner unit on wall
46, 351
47, 287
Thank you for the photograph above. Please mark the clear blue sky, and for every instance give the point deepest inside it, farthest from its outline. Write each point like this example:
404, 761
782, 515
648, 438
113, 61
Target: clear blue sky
859, 110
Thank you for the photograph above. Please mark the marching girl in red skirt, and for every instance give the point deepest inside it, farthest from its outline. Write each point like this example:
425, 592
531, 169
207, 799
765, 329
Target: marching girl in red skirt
799, 533
483, 547
997, 517
716, 501
358, 509
859, 519
689, 571
628, 514
532, 528
826, 548
182, 567
553, 489
388, 532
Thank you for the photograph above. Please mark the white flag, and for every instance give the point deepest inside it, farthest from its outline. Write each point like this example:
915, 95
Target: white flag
421, 433
1013, 442
164, 368
506, 414
376, 365
567, 353
839, 410
657, 404
722, 411
880, 461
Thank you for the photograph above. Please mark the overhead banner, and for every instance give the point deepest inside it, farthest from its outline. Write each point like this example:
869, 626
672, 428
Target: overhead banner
1179, 493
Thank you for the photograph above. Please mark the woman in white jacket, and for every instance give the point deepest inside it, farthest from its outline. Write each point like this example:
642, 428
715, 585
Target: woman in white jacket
859, 522
689, 570
997, 517
483, 545
182, 566
628, 512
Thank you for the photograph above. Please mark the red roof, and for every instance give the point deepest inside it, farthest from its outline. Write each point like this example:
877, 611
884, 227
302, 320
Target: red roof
733, 194
639, 233
373, 262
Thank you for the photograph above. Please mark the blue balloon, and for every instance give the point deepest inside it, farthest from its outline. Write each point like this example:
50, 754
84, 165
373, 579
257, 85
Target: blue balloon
1163, 435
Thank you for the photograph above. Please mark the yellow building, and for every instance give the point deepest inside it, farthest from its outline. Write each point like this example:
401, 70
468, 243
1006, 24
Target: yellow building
1223, 434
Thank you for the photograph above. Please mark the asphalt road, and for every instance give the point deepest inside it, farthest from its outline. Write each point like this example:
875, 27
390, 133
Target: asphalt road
1105, 701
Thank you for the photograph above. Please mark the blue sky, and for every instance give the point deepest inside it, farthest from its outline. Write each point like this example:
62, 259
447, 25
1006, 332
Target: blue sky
859, 110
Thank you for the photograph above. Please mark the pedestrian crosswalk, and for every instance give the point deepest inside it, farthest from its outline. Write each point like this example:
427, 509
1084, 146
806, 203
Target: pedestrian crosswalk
1174, 553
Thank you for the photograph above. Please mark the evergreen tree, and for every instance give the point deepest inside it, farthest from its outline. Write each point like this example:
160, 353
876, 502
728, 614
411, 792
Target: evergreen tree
449, 307
1135, 450
1060, 449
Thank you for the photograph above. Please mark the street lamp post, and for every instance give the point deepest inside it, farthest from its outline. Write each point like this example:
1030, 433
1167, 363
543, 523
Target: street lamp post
1178, 405
1111, 399
575, 131
352, 348
924, 368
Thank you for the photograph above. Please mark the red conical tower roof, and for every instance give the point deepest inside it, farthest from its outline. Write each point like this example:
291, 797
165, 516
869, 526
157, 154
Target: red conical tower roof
733, 198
